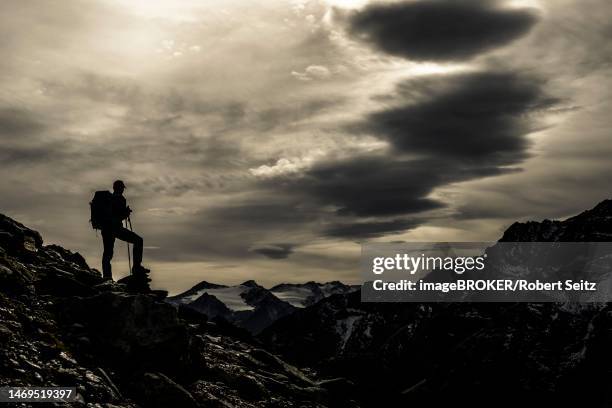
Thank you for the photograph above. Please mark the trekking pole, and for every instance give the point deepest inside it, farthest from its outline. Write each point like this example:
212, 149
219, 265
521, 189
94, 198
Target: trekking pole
128, 249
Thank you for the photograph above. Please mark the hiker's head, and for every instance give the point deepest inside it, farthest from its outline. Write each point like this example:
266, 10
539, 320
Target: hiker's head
118, 186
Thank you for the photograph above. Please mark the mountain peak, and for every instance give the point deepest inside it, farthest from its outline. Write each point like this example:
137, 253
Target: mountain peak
250, 284
603, 209
207, 285
16, 237
594, 225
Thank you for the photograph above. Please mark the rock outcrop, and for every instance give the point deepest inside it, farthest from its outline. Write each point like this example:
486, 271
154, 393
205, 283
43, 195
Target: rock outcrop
61, 324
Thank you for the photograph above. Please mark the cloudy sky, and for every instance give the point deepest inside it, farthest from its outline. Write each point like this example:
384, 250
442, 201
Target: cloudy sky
266, 139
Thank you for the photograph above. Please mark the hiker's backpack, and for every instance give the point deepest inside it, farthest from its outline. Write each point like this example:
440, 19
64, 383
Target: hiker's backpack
101, 209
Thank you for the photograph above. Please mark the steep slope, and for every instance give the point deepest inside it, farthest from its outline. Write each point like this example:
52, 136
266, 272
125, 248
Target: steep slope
467, 354
594, 225
62, 325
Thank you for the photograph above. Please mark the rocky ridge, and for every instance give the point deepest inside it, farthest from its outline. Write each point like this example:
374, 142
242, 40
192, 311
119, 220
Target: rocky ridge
62, 325
465, 354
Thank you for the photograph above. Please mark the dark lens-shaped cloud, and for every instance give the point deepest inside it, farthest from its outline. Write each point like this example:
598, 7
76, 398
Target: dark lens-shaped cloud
461, 128
479, 116
440, 30
372, 186
385, 186
275, 251
43, 154
365, 230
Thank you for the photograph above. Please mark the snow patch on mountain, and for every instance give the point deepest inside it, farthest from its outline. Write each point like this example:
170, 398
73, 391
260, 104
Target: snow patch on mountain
306, 294
345, 327
295, 296
231, 296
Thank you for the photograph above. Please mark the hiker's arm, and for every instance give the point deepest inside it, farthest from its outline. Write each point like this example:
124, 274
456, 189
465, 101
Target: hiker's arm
126, 210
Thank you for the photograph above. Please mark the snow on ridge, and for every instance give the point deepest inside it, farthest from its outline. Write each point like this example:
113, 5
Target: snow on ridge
231, 297
296, 296
344, 328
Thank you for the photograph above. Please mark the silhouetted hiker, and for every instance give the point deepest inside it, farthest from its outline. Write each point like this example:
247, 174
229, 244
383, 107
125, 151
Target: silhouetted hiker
108, 211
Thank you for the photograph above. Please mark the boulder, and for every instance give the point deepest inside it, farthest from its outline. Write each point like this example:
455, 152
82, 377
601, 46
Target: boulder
156, 390
280, 366
339, 386
66, 255
56, 282
16, 238
136, 283
15, 279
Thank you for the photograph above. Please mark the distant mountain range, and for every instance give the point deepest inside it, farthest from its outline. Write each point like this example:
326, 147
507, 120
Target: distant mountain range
464, 354
253, 307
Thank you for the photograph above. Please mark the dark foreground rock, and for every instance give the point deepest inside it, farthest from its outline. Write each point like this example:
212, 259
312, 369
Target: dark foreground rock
156, 390
61, 324
464, 354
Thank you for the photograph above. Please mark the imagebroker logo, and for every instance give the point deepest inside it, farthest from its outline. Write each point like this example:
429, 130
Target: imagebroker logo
422, 263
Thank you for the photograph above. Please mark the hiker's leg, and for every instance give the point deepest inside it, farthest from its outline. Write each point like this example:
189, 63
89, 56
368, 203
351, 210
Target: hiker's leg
108, 239
126, 235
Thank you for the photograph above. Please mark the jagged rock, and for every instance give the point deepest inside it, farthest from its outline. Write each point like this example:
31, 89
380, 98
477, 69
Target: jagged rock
594, 225
16, 238
133, 328
15, 280
136, 283
61, 323
218, 395
338, 386
279, 366
116, 393
51, 257
156, 390
66, 255
110, 286
341, 391
249, 387
210, 306
60, 283
5, 333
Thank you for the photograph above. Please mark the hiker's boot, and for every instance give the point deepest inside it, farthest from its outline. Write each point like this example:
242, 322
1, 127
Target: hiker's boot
140, 270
